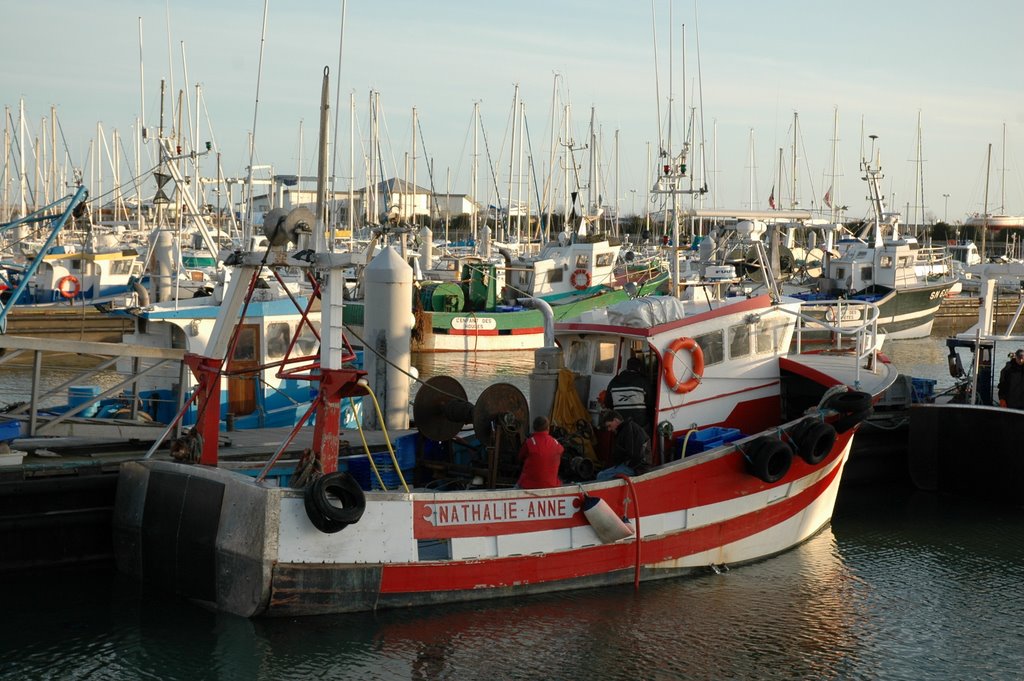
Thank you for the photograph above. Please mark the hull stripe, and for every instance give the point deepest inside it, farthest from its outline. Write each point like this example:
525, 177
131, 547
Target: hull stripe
577, 563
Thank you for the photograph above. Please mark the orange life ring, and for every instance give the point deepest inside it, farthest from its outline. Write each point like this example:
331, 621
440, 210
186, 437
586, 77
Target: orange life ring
69, 286
574, 279
697, 372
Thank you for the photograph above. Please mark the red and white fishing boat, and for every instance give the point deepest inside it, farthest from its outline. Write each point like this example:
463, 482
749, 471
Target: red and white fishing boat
772, 405
775, 417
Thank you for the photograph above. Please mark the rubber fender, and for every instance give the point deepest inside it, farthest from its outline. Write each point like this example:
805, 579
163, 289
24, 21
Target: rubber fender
814, 440
607, 526
849, 402
769, 458
334, 501
848, 421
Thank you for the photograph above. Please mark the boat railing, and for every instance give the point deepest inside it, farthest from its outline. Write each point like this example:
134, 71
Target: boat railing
847, 327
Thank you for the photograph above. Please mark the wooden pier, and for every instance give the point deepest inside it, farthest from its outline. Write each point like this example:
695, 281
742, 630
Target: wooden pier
77, 322
959, 313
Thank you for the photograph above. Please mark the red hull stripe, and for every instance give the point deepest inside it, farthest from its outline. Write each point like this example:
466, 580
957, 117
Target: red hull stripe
564, 565
490, 332
786, 364
711, 482
472, 332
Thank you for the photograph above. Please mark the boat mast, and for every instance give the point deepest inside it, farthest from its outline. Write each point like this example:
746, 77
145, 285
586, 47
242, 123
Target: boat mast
796, 141
1002, 176
320, 241
476, 169
984, 219
511, 162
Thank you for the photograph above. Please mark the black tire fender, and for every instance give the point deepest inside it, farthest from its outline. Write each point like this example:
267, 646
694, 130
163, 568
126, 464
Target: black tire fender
334, 501
849, 402
769, 459
814, 441
848, 421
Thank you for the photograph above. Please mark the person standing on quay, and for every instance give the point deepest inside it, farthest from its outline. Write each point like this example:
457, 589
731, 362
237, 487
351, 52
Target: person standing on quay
541, 456
1011, 382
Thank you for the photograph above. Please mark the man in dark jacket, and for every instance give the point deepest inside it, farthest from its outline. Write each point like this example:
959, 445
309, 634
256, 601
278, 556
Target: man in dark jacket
627, 393
631, 451
1011, 382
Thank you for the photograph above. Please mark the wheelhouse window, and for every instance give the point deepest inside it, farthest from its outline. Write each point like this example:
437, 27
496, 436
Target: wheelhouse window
866, 273
278, 336
885, 261
604, 260
307, 344
554, 275
121, 267
578, 357
582, 261
713, 346
604, 359
739, 340
768, 334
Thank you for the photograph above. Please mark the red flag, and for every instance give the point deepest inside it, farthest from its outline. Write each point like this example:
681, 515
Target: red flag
828, 197
771, 199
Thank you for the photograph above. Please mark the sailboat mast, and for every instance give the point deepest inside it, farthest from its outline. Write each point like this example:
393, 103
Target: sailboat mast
833, 191
476, 168
512, 160
984, 224
1002, 176
796, 141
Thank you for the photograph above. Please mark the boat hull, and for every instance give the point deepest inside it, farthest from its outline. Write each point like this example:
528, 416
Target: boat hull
249, 548
509, 328
910, 312
969, 450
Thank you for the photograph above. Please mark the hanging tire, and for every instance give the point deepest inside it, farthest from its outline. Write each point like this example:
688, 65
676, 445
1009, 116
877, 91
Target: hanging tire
334, 501
769, 458
814, 441
849, 402
848, 421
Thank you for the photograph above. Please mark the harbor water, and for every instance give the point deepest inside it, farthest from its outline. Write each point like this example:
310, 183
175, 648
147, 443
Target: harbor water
902, 585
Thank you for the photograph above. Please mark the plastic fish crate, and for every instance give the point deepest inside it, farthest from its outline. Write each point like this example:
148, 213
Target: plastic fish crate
708, 438
9, 430
359, 468
923, 389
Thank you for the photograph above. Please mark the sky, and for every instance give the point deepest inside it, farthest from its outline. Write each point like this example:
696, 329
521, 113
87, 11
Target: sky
748, 67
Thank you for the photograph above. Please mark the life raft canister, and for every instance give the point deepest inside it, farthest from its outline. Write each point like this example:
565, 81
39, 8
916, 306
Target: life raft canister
697, 370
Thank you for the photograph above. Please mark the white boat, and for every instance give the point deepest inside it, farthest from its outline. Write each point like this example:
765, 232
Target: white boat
891, 270
995, 222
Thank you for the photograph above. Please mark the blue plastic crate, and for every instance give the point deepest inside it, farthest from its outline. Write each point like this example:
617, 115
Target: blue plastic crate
706, 439
359, 468
9, 430
923, 389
